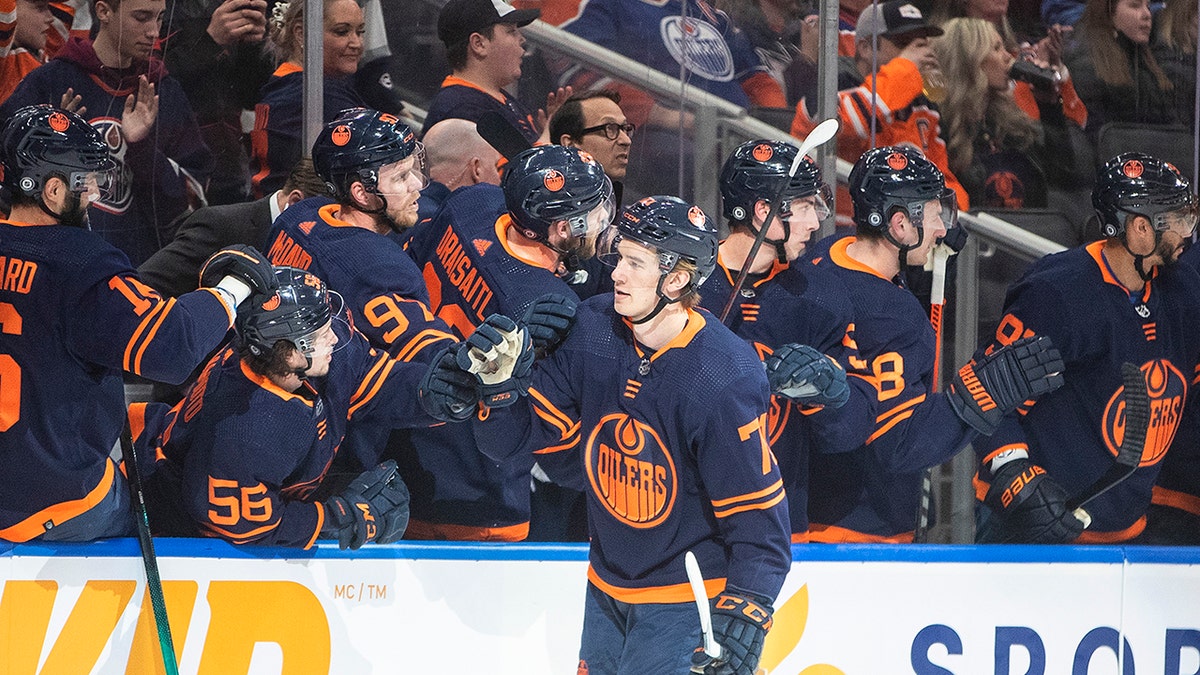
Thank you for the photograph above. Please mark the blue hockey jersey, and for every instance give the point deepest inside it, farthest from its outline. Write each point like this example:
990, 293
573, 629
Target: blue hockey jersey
673, 450
73, 317
1097, 324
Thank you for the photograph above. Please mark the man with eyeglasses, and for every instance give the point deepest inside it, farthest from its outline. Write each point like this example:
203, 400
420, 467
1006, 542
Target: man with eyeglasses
594, 122
1117, 300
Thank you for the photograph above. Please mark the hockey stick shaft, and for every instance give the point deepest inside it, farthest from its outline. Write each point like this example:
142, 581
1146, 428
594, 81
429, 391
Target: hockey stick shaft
1129, 455
696, 579
502, 135
818, 136
937, 303
158, 601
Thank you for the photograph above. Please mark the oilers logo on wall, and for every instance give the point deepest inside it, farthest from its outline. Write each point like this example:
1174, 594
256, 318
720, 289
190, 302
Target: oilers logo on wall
697, 46
631, 471
1167, 389
121, 194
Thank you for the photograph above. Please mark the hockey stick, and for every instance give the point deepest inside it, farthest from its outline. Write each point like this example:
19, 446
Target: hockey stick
818, 136
158, 601
937, 303
501, 135
711, 647
1129, 455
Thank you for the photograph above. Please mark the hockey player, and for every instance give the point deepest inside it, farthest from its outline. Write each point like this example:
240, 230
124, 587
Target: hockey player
375, 169
658, 411
1117, 300
252, 440
793, 315
901, 208
73, 317
497, 249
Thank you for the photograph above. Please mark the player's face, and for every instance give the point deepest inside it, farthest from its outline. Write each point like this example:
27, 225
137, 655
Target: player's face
33, 19
322, 352
132, 28
344, 30
804, 215
613, 155
400, 183
635, 280
934, 228
505, 51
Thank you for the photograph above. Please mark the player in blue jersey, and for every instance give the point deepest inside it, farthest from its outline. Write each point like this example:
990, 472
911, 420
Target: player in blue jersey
73, 317
496, 249
658, 412
375, 169
1121, 299
793, 314
901, 208
250, 444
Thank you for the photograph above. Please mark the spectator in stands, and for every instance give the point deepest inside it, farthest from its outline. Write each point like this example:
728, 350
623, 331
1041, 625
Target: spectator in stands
1003, 157
175, 268
1062, 12
774, 28
1175, 51
1115, 72
75, 319
22, 40
458, 156
594, 122
142, 114
484, 46
881, 93
278, 118
215, 49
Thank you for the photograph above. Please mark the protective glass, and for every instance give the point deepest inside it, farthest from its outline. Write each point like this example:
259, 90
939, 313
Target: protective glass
418, 168
322, 340
804, 208
927, 214
590, 224
608, 251
612, 130
1181, 221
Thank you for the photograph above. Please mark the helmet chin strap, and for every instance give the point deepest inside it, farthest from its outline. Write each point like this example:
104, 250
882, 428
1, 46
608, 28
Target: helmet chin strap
904, 249
780, 251
663, 301
1139, 259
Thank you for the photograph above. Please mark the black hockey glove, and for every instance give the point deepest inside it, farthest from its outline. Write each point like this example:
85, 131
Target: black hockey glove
983, 393
243, 263
548, 320
955, 238
500, 356
448, 392
1030, 506
740, 622
374, 507
802, 374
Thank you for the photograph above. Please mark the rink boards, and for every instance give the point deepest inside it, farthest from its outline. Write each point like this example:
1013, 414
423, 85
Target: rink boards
461, 609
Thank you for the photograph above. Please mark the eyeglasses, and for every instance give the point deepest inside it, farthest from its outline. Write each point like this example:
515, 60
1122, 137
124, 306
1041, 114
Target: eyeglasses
612, 130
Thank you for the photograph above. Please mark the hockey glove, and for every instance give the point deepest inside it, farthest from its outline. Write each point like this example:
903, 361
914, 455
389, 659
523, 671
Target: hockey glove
548, 320
374, 507
500, 355
802, 374
983, 393
955, 238
447, 392
243, 263
740, 622
1032, 508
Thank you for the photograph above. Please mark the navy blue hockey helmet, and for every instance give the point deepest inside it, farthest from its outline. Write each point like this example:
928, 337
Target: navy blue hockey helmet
41, 141
754, 172
1134, 183
359, 141
676, 229
897, 178
295, 312
549, 183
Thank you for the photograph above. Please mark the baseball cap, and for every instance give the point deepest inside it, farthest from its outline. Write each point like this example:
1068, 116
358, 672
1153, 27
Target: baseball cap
459, 18
892, 19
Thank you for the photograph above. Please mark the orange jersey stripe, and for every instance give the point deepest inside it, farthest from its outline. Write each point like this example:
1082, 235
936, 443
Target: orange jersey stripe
419, 529
59, 513
655, 594
761, 506
1176, 500
832, 534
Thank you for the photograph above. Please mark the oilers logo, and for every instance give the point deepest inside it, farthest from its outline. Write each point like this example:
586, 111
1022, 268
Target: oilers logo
121, 195
1168, 391
697, 46
631, 471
